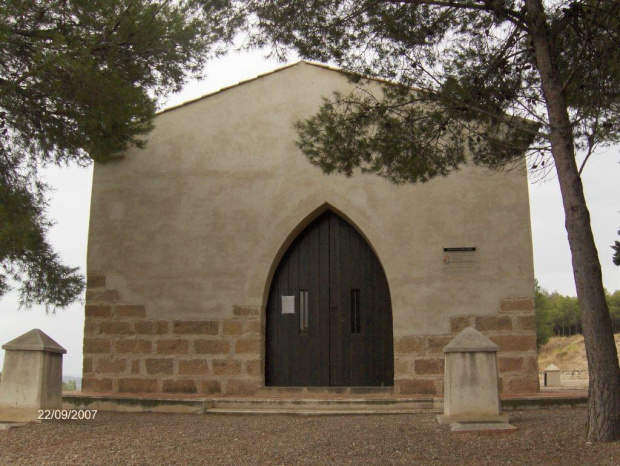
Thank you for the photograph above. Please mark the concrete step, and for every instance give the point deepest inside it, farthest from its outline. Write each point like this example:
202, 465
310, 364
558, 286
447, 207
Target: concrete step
331, 405
299, 412
308, 404
301, 391
325, 404
135, 403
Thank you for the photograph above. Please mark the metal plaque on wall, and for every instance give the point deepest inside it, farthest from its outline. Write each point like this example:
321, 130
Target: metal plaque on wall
460, 259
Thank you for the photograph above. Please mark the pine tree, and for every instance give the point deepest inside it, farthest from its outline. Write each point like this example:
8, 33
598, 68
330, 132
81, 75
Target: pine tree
476, 81
79, 81
616, 248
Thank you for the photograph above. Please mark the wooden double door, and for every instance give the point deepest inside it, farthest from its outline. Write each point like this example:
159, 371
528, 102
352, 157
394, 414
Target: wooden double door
329, 315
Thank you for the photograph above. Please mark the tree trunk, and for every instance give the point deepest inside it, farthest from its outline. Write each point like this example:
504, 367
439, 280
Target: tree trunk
603, 422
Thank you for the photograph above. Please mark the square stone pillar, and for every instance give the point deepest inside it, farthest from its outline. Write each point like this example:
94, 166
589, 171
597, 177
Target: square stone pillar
31, 378
471, 393
552, 375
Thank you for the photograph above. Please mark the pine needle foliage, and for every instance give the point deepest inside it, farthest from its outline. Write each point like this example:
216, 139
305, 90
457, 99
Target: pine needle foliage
79, 81
472, 81
478, 97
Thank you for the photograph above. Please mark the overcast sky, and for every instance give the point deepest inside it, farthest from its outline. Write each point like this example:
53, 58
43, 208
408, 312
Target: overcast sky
70, 201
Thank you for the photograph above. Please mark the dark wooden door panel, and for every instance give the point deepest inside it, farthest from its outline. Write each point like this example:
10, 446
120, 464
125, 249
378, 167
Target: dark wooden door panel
346, 338
323, 310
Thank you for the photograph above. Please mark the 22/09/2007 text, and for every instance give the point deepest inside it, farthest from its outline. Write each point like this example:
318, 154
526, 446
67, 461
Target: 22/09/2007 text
66, 414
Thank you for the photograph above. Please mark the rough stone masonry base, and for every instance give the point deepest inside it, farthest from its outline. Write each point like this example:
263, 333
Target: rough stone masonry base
127, 352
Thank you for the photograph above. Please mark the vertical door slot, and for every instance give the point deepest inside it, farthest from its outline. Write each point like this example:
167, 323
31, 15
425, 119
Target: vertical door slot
303, 311
355, 311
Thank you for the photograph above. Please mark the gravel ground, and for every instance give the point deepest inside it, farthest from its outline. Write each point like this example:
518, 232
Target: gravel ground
545, 437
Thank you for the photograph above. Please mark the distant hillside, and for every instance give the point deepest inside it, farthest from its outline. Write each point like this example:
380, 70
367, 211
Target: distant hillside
568, 353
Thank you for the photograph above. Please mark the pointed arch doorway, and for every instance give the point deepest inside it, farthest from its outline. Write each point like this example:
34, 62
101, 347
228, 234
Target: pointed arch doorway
329, 314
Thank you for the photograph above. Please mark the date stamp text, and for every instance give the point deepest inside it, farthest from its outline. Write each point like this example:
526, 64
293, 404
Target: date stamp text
66, 414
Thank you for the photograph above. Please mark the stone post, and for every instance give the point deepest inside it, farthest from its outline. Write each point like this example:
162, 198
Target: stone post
551, 376
31, 378
471, 393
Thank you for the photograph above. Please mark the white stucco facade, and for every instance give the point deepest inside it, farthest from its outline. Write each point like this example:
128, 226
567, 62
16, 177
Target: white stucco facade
195, 224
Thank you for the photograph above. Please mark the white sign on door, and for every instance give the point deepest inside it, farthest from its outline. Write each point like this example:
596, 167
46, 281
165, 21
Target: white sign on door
288, 304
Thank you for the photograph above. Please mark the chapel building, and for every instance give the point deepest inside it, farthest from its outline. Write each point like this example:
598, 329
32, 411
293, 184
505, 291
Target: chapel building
221, 262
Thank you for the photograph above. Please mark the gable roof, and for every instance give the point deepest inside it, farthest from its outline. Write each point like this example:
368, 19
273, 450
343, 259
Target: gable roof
245, 81
285, 67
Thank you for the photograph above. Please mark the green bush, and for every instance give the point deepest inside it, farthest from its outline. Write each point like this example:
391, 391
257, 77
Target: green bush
558, 314
68, 386
544, 325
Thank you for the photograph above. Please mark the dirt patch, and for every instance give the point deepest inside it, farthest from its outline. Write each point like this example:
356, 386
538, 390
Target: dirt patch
568, 353
552, 436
